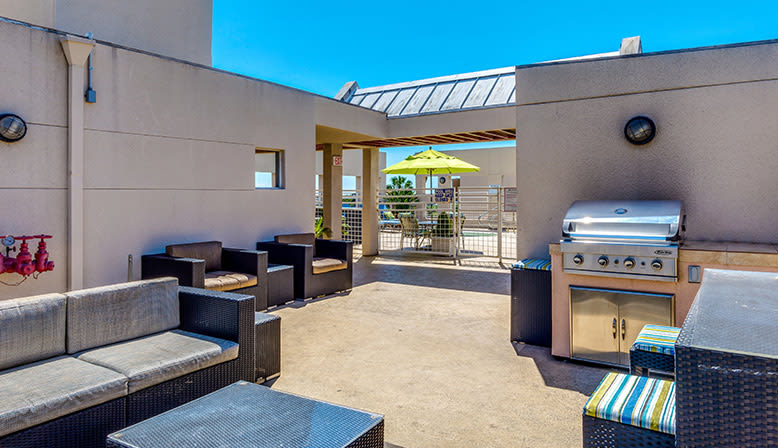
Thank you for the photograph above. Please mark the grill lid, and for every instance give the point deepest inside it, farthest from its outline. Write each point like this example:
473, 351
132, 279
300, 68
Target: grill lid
634, 221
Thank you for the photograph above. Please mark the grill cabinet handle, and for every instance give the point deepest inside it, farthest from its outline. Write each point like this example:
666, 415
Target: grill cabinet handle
614, 328
623, 329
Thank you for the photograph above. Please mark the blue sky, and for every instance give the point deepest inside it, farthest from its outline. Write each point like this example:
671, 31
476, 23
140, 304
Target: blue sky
319, 46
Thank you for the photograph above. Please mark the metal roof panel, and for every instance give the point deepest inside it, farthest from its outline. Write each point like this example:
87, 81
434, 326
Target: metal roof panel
479, 93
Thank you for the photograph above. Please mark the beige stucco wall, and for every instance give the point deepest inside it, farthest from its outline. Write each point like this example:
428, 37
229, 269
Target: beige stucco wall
38, 12
174, 28
169, 150
497, 165
715, 147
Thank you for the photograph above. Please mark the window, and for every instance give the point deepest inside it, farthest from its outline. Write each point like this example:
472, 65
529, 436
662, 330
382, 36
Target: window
268, 168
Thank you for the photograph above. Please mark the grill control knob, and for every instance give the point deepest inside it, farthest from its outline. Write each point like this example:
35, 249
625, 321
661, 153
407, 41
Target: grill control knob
578, 259
656, 265
603, 261
629, 263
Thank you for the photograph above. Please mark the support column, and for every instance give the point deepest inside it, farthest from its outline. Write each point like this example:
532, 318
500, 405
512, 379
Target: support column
332, 186
370, 177
76, 51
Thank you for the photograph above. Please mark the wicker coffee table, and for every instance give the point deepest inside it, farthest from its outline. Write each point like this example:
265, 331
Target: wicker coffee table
248, 415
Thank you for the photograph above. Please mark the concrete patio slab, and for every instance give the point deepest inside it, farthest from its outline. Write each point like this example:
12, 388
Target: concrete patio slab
427, 345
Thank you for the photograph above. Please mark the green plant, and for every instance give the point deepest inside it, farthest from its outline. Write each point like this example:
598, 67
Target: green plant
344, 228
320, 230
400, 192
444, 227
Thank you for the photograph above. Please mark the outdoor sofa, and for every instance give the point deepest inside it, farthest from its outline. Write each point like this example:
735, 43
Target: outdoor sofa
77, 366
320, 266
208, 265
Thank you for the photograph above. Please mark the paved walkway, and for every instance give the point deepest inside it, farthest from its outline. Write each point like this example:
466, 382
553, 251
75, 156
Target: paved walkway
426, 344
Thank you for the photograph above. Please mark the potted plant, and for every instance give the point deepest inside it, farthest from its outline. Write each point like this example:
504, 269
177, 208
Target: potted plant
442, 237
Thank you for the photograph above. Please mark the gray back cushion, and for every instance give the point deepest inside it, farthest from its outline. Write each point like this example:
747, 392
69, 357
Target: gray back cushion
31, 329
114, 313
210, 251
298, 238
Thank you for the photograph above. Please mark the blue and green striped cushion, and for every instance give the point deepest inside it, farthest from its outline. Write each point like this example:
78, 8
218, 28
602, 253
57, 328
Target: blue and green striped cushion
634, 400
537, 264
657, 339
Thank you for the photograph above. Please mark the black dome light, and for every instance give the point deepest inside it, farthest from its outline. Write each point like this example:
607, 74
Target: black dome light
12, 128
640, 130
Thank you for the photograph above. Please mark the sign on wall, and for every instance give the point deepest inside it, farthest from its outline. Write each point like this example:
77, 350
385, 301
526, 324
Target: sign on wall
510, 199
337, 160
444, 195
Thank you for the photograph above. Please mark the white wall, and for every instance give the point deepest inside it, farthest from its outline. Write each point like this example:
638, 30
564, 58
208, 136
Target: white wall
715, 148
497, 165
175, 28
169, 157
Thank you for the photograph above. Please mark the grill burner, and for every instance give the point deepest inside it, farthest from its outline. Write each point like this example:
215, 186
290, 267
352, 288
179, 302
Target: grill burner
632, 239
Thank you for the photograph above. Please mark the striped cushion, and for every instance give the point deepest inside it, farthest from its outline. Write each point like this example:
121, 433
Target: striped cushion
537, 264
657, 338
634, 400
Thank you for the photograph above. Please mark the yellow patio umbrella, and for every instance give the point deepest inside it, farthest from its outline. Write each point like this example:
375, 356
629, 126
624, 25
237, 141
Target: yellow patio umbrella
431, 162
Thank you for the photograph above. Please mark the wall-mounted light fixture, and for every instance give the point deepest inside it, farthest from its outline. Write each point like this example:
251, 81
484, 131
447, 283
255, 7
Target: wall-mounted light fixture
639, 130
12, 128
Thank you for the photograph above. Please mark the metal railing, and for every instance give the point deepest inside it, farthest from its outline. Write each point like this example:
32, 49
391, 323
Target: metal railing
351, 221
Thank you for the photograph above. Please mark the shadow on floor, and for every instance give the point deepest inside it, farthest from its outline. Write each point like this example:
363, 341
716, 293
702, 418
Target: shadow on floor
563, 373
370, 269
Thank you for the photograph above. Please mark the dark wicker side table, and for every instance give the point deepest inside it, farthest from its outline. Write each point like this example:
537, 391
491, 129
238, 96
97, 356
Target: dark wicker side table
531, 301
653, 350
249, 415
726, 363
267, 346
280, 284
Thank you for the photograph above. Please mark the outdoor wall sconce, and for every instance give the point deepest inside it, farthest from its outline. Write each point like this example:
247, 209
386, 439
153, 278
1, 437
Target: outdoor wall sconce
12, 128
639, 130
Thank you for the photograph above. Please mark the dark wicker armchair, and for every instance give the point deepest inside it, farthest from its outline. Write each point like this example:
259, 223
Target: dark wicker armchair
320, 266
207, 265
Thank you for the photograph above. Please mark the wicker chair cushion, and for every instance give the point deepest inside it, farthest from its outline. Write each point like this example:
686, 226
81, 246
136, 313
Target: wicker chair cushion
535, 264
308, 239
210, 251
42, 391
31, 329
323, 265
227, 281
657, 339
108, 314
634, 400
155, 359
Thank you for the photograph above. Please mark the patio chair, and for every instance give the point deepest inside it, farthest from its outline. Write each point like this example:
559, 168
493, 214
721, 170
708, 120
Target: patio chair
207, 265
410, 229
320, 266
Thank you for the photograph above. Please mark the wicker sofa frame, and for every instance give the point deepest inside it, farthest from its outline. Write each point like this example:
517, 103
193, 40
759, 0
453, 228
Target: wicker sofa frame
306, 283
191, 271
641, 362
223, 315
600, 433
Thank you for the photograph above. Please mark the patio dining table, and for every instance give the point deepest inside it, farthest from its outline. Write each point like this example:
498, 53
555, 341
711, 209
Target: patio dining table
727, 363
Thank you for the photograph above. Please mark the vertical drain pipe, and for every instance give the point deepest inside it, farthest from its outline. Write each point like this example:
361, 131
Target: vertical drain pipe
77, 50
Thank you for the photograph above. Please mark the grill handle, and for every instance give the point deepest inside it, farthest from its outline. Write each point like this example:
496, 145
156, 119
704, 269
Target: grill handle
623, 329
614, 328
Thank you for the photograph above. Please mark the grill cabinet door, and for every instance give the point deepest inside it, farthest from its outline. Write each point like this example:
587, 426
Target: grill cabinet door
593, 313
637, 310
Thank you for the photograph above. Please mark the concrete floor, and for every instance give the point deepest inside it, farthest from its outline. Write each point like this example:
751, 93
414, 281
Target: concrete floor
426, 344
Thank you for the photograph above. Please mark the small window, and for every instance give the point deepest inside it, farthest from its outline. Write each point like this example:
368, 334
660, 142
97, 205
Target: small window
269, 168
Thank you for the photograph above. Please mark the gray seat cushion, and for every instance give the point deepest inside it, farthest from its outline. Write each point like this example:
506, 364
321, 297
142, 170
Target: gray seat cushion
36, 393
155, 359
324, 265
228, 280
210, 251
31, 329
114, 313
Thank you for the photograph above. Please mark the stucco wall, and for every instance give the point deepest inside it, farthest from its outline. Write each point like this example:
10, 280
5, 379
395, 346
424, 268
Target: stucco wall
38, 12
715, 147
169, 157
497, 166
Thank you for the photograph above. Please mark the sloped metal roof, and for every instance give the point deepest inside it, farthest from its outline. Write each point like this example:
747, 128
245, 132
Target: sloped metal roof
489, 88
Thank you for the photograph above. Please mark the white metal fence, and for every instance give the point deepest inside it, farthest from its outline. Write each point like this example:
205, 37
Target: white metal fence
351, 221
456, 222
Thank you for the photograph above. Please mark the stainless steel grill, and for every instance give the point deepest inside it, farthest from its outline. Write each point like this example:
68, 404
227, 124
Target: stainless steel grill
634, 239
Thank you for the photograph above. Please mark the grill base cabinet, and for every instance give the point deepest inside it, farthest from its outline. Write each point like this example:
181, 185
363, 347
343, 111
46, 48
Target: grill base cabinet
605, 323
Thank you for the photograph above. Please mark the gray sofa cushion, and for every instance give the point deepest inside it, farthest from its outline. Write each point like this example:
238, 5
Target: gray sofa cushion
210, 251
155, 359
42, 391
108, 314
31, 329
